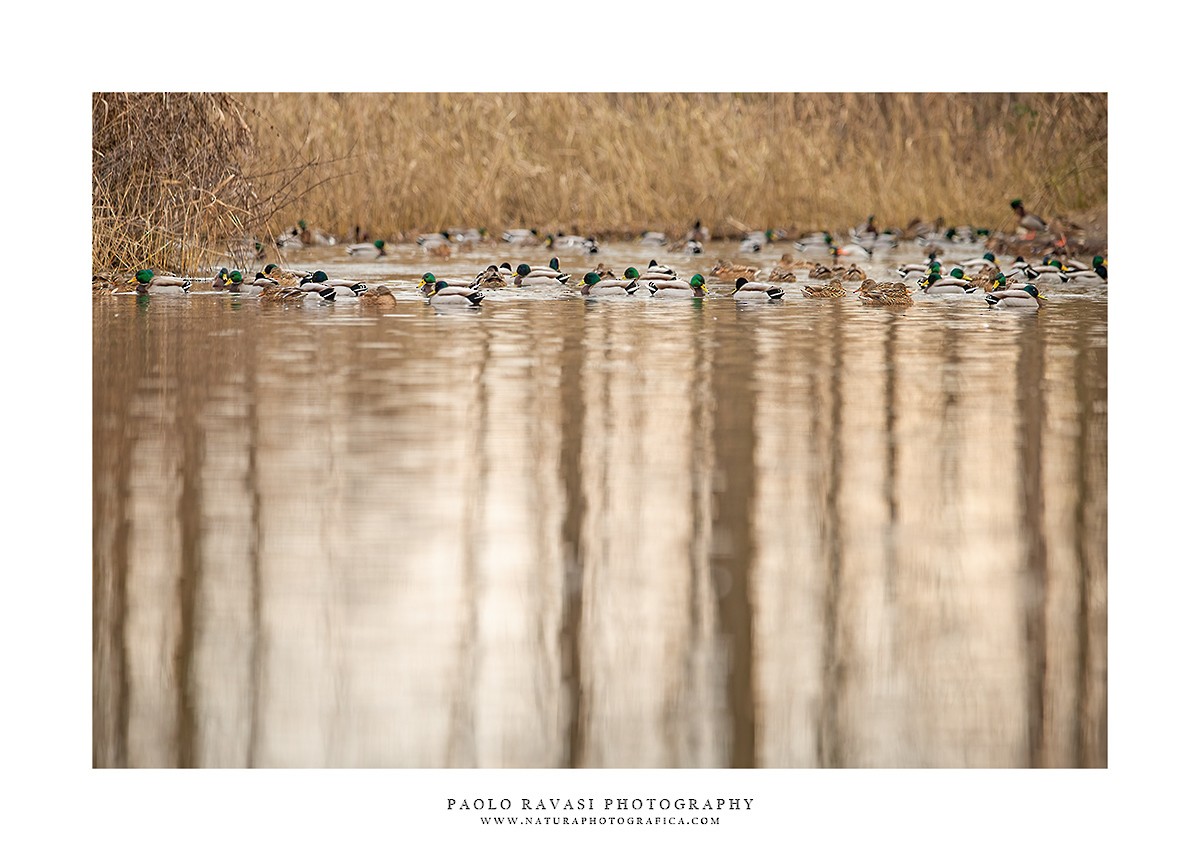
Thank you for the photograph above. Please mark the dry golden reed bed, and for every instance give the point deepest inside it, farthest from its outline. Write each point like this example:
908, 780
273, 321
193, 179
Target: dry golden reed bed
607, 164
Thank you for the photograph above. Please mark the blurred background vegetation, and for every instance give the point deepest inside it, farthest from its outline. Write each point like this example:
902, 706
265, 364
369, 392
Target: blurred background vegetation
180, 179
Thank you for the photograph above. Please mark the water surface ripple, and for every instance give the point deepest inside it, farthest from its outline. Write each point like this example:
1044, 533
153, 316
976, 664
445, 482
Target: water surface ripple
552, 532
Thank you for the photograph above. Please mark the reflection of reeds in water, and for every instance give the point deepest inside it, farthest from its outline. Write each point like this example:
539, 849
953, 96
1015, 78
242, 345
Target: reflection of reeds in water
650, 668
633, 536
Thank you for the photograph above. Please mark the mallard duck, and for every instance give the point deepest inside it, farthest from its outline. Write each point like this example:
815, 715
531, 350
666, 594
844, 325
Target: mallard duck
756, 290
763, 238
291, 239
953, 284
285, 277
777, 275
377, 297
726, 271
925, 267
852, 251
314, 236
523, 236
1049, 271
789, 263
103, 284
433, 238
678, 289
820, 272
445, 294
250, 287
319, 282
284, 294
429, 281
572, 242
491, 279
653, 237
854, 273
889, 293
1082, 272
963, 234
818, 240
982, 281
426, 284
658, 271
699, 233
687, 246
1033, 223
832, 290
594, 285
366, 249
541, 276
466, 235
986, 260
604, 272
150, 284
1027, 296
871, 240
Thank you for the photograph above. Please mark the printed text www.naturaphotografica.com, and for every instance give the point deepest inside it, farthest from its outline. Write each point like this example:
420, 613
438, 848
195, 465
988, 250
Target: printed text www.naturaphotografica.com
599, 811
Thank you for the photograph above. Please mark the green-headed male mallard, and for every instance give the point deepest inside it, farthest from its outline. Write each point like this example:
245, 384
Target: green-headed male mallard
528, 276
745, 290
150, 284
250, 286
594, 285
1030, 222
319, 282
1077, 271
954, 284
444, 294
366, 249
678, 289
1027, 296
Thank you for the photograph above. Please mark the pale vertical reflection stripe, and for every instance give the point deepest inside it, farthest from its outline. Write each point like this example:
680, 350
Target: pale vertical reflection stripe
301, 502
959, 554
638, 533
435, 534
224, 650
1064, 602
789, 521
700, 732
152, 621
520, 596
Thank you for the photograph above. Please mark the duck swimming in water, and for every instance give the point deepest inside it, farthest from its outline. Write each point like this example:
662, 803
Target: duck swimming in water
159, 285
756, 290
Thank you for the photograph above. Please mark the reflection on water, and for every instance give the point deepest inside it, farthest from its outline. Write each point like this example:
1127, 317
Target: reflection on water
593, 534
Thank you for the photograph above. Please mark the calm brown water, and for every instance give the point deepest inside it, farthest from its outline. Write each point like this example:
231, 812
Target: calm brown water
555, 532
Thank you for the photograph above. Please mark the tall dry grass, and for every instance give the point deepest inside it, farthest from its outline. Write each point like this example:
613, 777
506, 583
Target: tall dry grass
623, 163
180, 180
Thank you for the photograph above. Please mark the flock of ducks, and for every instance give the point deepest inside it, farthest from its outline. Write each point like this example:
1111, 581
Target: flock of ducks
827, 264
1019, 287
